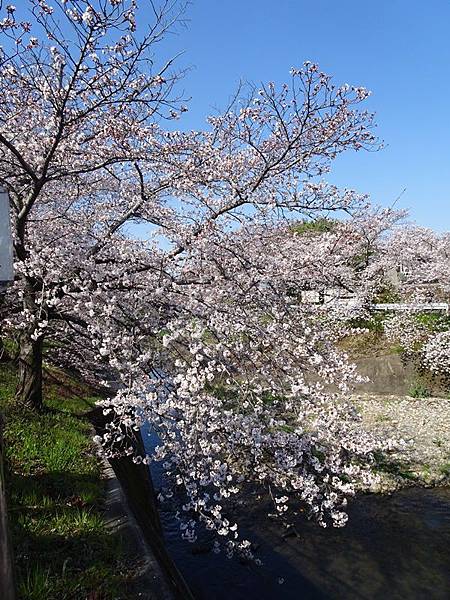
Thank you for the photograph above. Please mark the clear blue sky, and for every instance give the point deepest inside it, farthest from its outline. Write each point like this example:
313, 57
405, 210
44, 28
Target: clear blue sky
399, 49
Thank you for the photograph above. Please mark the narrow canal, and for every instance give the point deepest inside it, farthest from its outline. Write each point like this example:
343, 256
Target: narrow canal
394, 547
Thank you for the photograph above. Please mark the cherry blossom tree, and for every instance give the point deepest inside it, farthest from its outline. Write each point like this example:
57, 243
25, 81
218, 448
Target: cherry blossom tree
239, 389
200, 325
423, 256
78, 123
436, 352
80, 91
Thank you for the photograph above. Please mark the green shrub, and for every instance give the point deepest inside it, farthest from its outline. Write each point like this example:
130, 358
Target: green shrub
419, 390
433, 321
387, 295
321, 225
373, 324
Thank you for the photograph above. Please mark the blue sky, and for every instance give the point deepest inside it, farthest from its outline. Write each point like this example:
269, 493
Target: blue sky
398, 49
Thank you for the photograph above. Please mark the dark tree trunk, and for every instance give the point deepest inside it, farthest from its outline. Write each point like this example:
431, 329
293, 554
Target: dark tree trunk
4, 355
29, 387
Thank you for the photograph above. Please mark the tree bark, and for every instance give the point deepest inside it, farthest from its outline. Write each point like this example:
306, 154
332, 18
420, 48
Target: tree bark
29, 387
4, 356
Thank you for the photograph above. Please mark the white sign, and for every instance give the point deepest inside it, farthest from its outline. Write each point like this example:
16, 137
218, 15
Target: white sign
310, 297
6, 247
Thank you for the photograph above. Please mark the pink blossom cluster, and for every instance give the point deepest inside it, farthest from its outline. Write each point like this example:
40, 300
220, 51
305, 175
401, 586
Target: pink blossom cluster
199, 328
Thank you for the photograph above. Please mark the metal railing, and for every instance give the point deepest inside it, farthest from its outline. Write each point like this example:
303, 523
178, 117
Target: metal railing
431, 306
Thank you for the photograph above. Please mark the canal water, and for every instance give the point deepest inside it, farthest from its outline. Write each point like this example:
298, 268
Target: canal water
394, 547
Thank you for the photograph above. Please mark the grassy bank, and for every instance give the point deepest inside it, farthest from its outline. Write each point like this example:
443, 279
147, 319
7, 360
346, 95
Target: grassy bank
62, 547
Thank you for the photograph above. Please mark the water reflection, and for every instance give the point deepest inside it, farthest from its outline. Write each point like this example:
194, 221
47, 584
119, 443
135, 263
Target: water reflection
394, 547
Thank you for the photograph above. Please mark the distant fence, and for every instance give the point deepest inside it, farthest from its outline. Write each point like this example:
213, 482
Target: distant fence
431, 306
7, 587
312, 297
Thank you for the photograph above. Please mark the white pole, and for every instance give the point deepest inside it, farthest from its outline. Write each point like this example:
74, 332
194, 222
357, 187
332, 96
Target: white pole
6, 245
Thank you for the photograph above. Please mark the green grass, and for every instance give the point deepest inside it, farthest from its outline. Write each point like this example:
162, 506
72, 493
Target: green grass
445, 469
383, 418
385, 464
63, 550
433, 321
419, 390
368, 344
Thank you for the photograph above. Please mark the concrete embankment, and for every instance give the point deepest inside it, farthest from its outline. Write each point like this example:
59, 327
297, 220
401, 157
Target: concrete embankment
132, 510
149, 580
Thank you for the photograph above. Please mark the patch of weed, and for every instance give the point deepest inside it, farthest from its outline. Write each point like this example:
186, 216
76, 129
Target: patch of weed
62, 548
